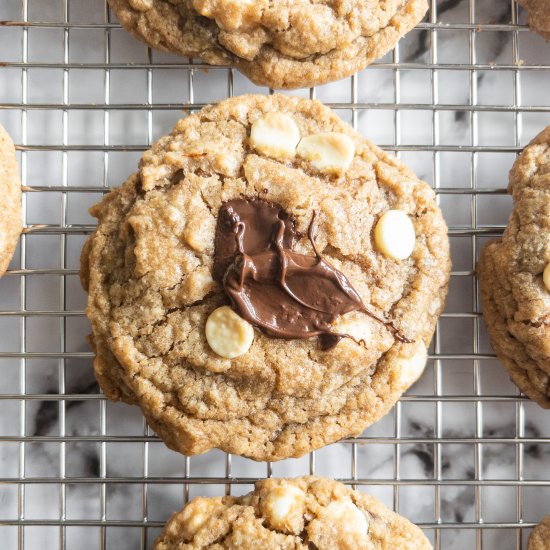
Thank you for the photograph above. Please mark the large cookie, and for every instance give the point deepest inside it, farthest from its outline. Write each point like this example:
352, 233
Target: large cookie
540, 537
10, 204
341, 325
515, 277
281, 43
306, 512
539, 16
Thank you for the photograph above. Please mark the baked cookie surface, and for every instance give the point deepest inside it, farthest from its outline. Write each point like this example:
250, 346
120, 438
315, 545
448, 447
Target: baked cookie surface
164, 334
10, 205
281, 44
515, 277
539, 16
540, 537
306, 512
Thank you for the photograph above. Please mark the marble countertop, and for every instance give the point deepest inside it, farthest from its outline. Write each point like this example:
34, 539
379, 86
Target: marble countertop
448, 453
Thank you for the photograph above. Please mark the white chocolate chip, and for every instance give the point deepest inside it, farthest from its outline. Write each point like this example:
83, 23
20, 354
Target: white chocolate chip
412, 363
275, 135
341, 524
546, 277
195, 522
394, 235
330, 152
229, 14
349, 515
228, 334
141, 5
284, 506
196, 514
354, 325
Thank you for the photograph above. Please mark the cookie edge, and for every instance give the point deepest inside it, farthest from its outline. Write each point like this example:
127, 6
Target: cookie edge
10, 208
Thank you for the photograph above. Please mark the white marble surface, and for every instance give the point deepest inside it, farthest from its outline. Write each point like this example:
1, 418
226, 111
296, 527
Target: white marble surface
494, 134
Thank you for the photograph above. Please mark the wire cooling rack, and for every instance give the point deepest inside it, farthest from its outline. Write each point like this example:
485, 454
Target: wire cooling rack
463, 454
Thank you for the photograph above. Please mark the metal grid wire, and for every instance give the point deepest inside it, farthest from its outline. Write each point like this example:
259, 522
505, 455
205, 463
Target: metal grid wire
463, 397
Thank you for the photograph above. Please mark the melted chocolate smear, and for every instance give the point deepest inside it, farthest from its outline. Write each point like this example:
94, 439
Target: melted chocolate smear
283, 293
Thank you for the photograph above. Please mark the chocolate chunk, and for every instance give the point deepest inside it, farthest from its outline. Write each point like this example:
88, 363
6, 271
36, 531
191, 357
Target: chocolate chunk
283, 293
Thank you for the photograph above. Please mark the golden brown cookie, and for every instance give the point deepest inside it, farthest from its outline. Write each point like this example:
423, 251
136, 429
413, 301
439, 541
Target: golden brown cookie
10, 205
539, 16
307, 512
540, 537
515, 277
160, 278
281, 44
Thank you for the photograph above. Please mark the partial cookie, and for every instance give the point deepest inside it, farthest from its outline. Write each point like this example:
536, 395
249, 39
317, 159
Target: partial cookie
513, 273
305, 512
247, 290
539, 16
540, 537
281, 44
10, 204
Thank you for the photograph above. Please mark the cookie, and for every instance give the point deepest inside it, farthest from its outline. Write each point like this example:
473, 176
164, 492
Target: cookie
10, 206
307, 512
539, 16
540, 537
281, 44
515, 278
249, 289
